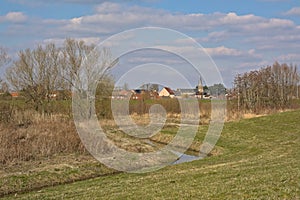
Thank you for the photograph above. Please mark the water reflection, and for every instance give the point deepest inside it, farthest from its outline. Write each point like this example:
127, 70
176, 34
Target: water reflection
185, 158
182, 158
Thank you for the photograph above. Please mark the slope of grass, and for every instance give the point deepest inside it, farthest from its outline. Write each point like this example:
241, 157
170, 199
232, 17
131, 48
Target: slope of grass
260, 160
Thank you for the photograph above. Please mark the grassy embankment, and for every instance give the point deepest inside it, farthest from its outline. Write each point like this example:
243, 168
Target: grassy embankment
260, 159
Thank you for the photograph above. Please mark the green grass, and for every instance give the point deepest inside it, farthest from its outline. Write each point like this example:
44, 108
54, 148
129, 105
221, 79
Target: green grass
260, 160
35, 175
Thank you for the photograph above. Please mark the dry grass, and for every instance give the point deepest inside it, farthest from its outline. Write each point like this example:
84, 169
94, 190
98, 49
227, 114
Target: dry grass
37, 136
28, 135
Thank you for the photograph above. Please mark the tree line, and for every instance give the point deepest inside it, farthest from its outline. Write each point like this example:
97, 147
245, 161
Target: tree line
271, 87
40, 72
37, 73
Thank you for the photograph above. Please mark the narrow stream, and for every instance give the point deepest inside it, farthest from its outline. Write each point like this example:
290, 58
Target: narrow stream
188, 156
183, 158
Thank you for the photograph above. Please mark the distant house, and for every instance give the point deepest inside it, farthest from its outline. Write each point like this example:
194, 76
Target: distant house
138, 94
59, 95
230, 96
185, 93
14, 94
167, 92
153, 94
53, 95
144, 94
121, 94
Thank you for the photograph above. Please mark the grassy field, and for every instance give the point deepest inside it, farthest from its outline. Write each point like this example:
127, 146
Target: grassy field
260, 159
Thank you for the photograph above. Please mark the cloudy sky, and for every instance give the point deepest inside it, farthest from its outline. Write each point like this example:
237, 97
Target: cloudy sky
238, 35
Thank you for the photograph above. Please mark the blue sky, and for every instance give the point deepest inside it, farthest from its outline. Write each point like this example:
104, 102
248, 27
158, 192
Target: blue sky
239, 35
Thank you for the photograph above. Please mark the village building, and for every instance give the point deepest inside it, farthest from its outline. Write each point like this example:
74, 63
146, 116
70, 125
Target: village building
167, 92
14, 94
200, 89
185, 93
136, 94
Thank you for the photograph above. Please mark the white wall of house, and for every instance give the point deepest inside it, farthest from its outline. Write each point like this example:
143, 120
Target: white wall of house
165, 93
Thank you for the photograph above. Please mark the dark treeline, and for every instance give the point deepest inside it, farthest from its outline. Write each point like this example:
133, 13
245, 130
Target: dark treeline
271, 87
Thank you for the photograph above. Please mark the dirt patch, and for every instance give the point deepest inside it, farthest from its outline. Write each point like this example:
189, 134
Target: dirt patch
251, 115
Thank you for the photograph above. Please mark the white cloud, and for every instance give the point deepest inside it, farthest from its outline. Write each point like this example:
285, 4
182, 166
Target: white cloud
60, 41
233, 18
289, 58
216, 36
14, 17
113, 17
293, 11
110, 18
223, 51
76, 21
35, 3
234, 40
108, 8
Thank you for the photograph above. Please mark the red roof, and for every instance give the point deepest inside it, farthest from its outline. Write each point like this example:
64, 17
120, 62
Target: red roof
14, 94
170, 91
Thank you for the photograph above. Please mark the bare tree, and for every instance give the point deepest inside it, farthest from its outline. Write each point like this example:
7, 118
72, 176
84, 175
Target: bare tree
4, 87
270, 87
36, 73
85, 63
4, 58
85, 68
74, 53
45, 70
